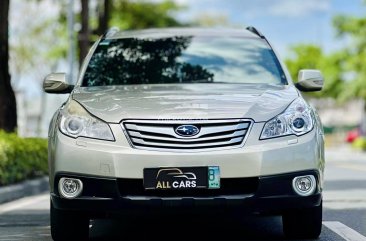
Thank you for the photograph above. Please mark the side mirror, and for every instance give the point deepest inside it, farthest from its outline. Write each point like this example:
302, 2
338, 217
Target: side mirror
310, 80
57, 83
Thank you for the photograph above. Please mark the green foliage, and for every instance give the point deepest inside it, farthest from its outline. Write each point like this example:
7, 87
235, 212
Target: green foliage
354, 30
37, 45
312, 57
304, 57
21, 158
123, 14
143, 14
350, 25
344, 70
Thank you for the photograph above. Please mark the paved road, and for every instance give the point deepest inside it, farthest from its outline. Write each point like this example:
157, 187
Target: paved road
344, 215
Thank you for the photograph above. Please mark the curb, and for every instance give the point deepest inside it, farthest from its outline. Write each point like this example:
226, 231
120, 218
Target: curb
23, 189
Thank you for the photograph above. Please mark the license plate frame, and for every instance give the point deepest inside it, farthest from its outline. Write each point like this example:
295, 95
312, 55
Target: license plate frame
181, 178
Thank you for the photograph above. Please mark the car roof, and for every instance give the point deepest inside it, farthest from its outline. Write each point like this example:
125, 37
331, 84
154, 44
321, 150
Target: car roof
170, 32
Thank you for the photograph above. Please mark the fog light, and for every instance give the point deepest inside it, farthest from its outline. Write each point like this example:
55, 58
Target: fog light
304, 185
70, 187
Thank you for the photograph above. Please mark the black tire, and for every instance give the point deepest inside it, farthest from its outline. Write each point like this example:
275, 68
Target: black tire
303, 223
66, 225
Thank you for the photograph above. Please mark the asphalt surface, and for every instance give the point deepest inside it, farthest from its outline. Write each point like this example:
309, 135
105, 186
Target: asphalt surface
344, 215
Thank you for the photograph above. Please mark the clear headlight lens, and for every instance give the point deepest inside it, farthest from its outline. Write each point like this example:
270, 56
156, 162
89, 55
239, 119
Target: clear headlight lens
75, 121
296, 120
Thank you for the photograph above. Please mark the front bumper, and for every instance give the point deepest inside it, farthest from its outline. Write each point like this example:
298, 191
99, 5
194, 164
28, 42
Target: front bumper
263, 195
119, 160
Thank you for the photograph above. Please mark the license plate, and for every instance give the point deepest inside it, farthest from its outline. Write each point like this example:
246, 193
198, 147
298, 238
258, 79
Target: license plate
173, 178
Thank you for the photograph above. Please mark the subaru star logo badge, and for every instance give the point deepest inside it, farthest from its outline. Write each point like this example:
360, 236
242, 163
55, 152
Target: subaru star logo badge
187, 130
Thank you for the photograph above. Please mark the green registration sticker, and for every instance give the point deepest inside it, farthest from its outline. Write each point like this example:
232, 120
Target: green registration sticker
213, 177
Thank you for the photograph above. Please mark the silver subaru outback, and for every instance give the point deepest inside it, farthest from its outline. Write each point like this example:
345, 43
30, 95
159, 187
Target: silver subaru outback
185, 118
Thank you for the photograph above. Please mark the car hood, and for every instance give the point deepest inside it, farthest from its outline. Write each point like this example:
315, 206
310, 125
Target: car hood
259, 102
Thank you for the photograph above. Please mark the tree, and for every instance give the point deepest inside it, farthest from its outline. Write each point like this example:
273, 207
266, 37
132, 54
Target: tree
312, 57
31, 60
125, 15
344, 70
83, 37
354, 29
144, 14
8, 113
103, 12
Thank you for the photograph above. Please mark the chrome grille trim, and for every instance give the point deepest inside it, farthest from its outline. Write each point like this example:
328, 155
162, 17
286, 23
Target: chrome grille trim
168, 130
160, 135
177, 146
151, 137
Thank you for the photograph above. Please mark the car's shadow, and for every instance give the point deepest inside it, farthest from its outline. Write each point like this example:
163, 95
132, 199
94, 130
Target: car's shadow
189, 227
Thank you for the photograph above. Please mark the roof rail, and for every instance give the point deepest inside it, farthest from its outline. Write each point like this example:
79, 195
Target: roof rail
110, 32
255, 31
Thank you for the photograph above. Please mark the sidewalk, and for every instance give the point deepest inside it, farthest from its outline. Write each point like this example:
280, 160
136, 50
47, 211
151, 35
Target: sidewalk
345, 178
23, 189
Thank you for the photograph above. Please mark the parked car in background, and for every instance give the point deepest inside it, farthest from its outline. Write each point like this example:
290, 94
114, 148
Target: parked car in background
185, 117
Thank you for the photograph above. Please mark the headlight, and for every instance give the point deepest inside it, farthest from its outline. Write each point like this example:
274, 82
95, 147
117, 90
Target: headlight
75, 121
297, 119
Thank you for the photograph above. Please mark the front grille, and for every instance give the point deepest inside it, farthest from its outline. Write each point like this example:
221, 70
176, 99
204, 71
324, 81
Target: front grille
229, 186
161, 134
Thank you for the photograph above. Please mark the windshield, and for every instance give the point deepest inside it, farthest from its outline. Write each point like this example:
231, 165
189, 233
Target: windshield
183, 59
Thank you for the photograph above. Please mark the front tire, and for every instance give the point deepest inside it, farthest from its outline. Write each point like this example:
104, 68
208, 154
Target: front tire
303, 223
67, 225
